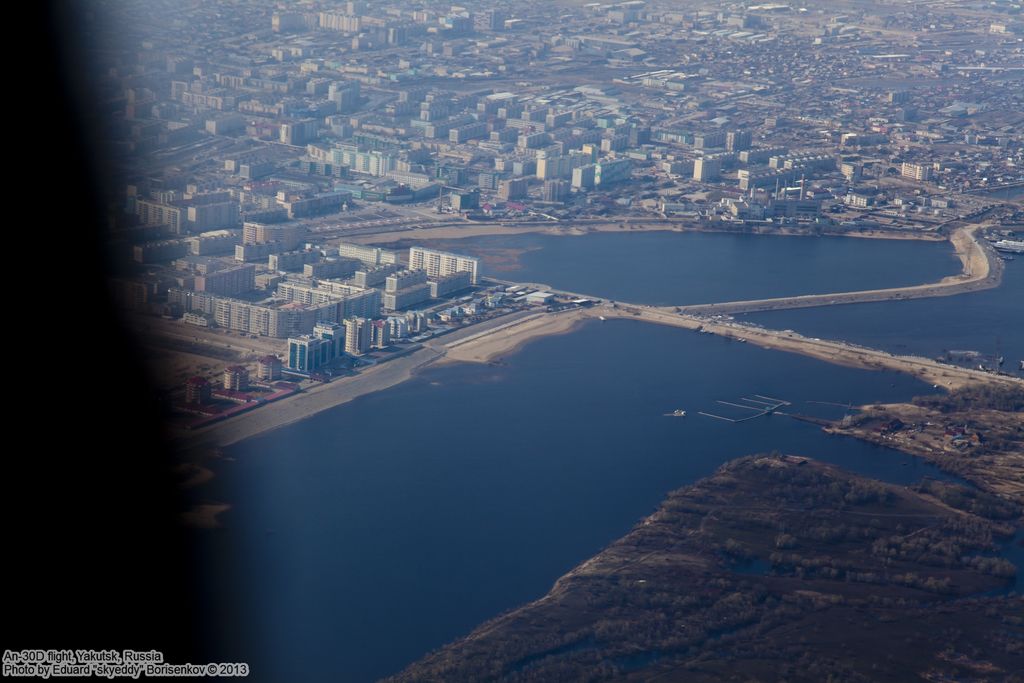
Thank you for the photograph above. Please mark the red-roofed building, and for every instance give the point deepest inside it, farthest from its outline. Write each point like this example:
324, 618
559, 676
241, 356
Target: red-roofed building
268, 368
197, 391
236, 378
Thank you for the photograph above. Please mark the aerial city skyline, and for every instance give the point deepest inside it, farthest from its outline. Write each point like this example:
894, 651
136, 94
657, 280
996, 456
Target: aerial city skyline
517, 341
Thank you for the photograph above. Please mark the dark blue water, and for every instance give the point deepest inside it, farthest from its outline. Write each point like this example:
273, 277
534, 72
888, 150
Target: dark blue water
671, 268
666, 268
988, 321
369, 534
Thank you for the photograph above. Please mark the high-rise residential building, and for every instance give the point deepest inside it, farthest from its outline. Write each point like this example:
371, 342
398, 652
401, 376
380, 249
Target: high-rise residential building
556, 190
272, 320
465, 201
438, 263
157, 213
639, 135
803, 161
380, 334
197, 391
449, 284
298, 132
330, 268
164, 250
268, 368
709, 140
404, 298
371, 256
298, 206
398, 327
921, 172
212, 215
336, 21
374, 162
553, 166
758, 156
214, 242
738, 140
288, 234
612, 171
357, 336
553, 120
469, 131
707, 169
490, 20
257, 252
397, 35
229, 281
615, 143
292, 260
488, 181
583, 176
404, 279
236, 378
532, 140
373, 277
348, 300
513, 188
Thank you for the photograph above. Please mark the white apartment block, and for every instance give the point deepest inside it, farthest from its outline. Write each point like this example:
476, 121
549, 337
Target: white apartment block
441, 263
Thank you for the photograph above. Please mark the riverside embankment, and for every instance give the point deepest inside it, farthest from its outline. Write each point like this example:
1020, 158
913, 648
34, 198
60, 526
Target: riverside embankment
982, 269
489, 341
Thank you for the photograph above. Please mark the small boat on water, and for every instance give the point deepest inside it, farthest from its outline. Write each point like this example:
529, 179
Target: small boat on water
601, 318
678, 413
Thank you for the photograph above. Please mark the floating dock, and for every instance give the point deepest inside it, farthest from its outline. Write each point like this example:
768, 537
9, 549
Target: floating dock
761, 405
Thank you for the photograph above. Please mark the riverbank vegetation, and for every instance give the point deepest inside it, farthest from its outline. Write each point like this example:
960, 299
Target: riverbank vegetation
774, 568
976, 432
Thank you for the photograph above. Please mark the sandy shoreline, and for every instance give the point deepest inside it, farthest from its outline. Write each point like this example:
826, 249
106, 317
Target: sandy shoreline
490, 346
321, 397
935, 373
316, 399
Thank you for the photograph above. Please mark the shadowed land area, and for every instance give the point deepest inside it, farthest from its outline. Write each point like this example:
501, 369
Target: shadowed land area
774, 568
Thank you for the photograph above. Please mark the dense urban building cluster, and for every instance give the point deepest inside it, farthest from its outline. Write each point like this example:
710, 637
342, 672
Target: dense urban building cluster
258, 144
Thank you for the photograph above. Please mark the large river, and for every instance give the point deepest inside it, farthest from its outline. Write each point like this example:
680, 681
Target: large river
374, 532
